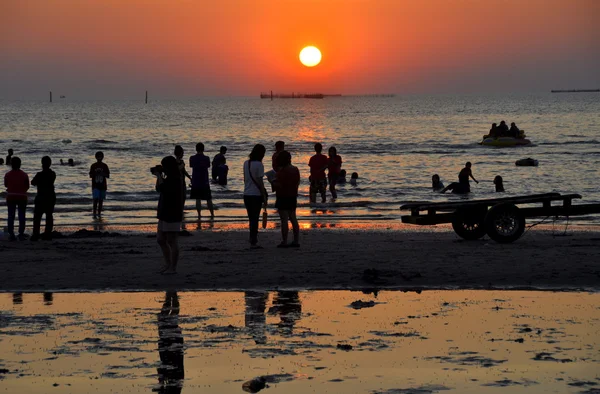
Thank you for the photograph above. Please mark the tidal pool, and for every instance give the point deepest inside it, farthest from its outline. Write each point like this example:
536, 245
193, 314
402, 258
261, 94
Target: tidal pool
389, 342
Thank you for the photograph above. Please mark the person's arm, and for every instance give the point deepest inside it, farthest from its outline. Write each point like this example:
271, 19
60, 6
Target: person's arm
159, 182
471, 175
107, 174
258, 177
26, 182
34, 181
92, 171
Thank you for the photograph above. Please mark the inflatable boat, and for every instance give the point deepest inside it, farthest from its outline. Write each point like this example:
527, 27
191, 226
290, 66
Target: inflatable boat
529, 162
505, 141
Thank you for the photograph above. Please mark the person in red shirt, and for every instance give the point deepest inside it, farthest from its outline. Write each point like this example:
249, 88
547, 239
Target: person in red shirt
318, 180
17, 184
335, 167
286, 189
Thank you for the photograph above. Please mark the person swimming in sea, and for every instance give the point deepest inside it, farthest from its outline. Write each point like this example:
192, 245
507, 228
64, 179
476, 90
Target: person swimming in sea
354, 178
436, 183
499, 184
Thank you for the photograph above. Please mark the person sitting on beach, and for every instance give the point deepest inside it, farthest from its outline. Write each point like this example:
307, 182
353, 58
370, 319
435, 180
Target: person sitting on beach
318, 180
9, 157
45, 200
499, 184
286, 189
514, 131
462, 186
503, 129
334, 167
99, 172
219, 167
341, 179
200, 184
17, 184
169, 212
436, 183
354, 178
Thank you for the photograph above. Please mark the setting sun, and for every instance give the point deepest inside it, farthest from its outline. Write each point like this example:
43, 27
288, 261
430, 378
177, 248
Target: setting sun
310, 56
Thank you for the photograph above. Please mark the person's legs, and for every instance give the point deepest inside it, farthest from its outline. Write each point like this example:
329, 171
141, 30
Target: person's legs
199, 208
323, 191
21, 208
100, 204
161, 238
313, 191
12, 207
253, 205
295, 227
49, 211
37, 220
332, 183
284, 216
173, 242
95, 208
211, 208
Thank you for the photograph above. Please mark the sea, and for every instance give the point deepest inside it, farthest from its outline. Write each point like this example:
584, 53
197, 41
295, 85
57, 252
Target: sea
395, 144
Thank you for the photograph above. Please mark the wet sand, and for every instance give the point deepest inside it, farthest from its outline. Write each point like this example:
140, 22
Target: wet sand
328, 259
301, 342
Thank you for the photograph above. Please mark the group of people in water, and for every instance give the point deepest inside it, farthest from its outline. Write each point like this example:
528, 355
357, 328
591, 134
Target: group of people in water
463, 186
502, 130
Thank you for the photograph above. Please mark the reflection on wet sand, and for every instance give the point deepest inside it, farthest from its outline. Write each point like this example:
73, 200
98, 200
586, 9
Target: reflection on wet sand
299, 342
170, 347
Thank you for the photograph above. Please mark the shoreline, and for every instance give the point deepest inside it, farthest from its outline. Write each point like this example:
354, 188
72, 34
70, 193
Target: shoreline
348, 259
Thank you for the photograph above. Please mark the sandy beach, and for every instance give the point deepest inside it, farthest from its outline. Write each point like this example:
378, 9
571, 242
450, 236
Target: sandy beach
328, 259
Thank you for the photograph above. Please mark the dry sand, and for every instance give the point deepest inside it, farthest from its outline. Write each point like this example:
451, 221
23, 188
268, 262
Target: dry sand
328, 259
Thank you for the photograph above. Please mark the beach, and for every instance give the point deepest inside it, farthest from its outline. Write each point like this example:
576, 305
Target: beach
327, 259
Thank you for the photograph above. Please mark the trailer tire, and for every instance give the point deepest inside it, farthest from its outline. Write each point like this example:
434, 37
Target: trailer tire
504, 223
469, 224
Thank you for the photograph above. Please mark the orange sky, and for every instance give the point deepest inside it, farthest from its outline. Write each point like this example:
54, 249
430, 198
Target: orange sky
115, 48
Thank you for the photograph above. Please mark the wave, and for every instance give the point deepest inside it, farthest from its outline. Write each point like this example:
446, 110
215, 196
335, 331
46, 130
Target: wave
580, 142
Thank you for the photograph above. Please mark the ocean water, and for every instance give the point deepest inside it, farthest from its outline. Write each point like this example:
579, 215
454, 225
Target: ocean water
394, 143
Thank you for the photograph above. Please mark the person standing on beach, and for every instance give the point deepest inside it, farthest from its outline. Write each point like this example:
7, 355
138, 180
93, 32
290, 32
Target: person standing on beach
17, 184
184, 174
334, 168
279, 147
219, 170
44, 200
318, 180
255, 194
99, 172
286, 189
9, 157
169, 212
200, 182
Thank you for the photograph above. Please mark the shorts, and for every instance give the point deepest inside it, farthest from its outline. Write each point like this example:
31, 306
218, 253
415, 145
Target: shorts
98, 194
168, 227
286, 203
202, 193
318, 185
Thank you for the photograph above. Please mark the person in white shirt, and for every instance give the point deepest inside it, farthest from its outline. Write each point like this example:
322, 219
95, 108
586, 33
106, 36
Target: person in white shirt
255, 194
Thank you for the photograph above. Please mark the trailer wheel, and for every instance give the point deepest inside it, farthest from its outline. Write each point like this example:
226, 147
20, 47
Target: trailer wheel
504, 223
469, 223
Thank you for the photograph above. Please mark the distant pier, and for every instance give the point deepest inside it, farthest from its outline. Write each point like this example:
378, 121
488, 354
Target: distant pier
576, 91
271, 95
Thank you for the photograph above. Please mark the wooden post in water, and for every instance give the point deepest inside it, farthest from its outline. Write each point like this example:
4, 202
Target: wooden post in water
271, 95
146, 97
50, 96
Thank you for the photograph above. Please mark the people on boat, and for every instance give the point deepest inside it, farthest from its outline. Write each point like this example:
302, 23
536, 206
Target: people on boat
493, 131
499, 184
514, 131
436, 183
503, 129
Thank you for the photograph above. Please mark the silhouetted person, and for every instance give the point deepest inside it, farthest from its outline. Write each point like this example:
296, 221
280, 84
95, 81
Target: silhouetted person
287, 305
44, 200
286, 189
17, 184
255, 194
255, 319
436, 183
514, 131
1, 161
318, 180
499, 183
493, 131
178, 152
171, 371
503, 129
334, 168
99, 172
219, 167
354, 179
9, 157
169, 212
341, 177
279, 147
200, 163
462, 186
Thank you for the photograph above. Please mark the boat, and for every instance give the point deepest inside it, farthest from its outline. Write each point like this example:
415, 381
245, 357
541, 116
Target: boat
505, 141
529, 162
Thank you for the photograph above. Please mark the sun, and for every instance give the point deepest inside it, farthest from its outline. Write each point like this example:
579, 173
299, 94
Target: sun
310, 56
